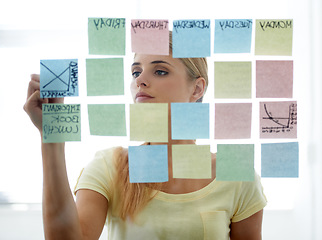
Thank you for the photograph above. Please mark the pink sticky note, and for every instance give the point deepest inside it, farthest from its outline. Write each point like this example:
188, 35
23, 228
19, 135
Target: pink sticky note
150, 37
278, 119
274, 79
233, 120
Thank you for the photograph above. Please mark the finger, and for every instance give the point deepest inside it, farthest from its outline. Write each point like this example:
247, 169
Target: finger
35, 77
34, 85
56, 100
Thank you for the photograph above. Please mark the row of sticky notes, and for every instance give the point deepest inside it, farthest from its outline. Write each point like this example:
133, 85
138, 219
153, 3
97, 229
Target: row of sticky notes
59, 78
150, 121
191, 38
234, 162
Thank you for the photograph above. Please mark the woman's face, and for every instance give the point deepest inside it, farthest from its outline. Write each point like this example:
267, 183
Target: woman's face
160, 79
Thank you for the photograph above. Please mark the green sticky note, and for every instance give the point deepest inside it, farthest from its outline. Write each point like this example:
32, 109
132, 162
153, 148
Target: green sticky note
61, 122
105, 76
233, 79
191, 161
149, 122
235, 162
106, 36
274, 37
107, 119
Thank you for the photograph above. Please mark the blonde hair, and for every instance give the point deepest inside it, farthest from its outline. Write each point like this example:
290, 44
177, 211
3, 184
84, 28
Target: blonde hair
135, 196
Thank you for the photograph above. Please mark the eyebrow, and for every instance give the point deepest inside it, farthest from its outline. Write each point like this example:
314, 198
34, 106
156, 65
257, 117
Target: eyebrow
154, 62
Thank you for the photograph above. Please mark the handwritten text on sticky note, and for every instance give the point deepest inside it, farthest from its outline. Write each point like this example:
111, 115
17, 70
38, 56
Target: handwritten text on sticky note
61, 122
58, 78
106, 36
233, 35
274, 37
191, 38
150, 36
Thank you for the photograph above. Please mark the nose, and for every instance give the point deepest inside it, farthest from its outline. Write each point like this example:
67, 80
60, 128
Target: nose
141, 80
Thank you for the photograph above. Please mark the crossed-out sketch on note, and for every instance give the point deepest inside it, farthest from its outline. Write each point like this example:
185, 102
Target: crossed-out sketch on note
60, 80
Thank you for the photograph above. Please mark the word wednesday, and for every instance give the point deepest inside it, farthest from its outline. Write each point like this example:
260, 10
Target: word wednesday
149, 24
109, 23
182, 24
275, 24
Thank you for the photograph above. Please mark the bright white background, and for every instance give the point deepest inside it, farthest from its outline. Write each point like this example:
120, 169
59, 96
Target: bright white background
34, 30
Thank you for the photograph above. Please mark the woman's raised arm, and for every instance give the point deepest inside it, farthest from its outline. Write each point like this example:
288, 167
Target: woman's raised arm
62, 219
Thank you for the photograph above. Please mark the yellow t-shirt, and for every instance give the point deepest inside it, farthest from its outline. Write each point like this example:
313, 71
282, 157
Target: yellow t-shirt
203, 214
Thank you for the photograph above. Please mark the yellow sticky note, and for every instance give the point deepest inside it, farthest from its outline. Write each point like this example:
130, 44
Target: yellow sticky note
233, 79
149, 122
274, 37
191, 161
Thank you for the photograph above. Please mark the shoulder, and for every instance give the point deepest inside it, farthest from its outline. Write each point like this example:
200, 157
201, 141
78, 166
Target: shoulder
107, 156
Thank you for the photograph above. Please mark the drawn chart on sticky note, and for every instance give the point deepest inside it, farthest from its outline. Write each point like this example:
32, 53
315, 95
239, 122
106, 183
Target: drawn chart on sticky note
58, 78
278, 119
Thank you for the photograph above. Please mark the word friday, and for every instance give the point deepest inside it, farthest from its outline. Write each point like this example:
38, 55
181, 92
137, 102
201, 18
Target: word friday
275, 24
202, 24
109, 23
235, 24
150, 24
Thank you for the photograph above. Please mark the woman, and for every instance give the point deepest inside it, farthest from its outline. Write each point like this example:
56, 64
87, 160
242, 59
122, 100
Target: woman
178, 209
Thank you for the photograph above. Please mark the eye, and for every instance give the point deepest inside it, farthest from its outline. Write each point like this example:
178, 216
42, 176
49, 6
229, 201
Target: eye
161, 72
136, 74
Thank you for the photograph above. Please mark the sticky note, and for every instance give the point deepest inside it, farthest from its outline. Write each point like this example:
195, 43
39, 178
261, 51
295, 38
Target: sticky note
107, 119
148, 163
233, 120
274, 79
61, 122
150, 36
278, 119
190, 120
105, 76
58, 78
233, 35
235, 162
191, 161
106, 36
191, 38
280, 160
149, 122
274, 37
233, 79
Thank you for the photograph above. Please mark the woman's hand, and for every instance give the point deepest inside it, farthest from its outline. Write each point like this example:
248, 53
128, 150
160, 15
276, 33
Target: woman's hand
33, 105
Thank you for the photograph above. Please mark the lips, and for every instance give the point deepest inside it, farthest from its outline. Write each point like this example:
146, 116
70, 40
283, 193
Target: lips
142, 96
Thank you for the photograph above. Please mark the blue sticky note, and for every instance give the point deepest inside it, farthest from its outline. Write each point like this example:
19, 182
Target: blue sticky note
233, 35
280, 160
148, 163
191, 38
58, 78
190, 120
